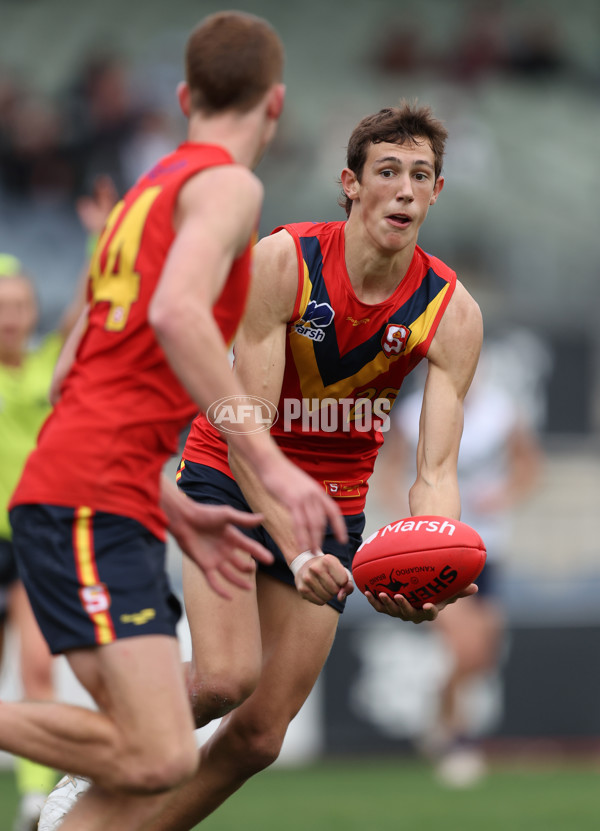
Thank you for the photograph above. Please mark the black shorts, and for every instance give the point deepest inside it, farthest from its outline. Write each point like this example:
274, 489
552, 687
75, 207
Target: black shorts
8, 574
92, 577
205, 484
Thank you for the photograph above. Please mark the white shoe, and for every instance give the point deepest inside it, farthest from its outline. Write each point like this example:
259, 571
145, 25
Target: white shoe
60, 801
30, 807
461, 768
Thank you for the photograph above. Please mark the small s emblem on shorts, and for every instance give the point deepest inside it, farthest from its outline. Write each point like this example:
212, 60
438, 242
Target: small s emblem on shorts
95, 599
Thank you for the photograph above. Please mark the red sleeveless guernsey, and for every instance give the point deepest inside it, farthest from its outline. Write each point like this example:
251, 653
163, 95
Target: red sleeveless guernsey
345, 363
122, 408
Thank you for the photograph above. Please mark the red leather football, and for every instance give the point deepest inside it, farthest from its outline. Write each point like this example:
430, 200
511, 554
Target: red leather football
425, 558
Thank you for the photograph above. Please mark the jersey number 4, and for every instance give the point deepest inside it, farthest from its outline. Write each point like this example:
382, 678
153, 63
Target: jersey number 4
112, 270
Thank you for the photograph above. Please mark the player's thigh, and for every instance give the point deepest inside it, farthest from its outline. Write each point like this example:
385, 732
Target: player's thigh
225, 634
297, 637
138, 682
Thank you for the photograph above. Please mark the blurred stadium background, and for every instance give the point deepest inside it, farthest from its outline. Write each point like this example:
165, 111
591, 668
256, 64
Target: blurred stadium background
89, 88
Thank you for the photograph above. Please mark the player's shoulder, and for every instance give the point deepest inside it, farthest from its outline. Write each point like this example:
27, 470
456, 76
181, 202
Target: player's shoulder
463, 311
227, 198
221, 180
285, 241
278, 246
460, 333
274, 274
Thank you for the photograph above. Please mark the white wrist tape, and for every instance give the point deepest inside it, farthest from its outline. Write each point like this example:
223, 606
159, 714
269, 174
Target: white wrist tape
299, 561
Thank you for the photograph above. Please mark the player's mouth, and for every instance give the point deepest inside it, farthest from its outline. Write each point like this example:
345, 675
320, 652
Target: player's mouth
399, 220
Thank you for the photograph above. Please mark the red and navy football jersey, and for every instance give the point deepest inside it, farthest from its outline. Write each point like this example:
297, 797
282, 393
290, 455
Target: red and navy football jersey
345, 363
122, 408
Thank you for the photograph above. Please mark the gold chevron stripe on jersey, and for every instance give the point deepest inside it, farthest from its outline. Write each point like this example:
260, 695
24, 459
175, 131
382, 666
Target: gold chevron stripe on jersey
309, 375
307, 288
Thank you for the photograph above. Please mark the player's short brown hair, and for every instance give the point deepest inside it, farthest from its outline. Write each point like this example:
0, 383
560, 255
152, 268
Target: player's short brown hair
231, 60
405, 124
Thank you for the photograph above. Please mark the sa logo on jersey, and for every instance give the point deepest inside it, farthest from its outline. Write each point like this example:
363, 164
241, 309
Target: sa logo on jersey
394, 339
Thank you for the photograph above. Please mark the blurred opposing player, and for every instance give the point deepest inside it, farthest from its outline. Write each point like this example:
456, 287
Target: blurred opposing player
499, 466
339, 313
167, 286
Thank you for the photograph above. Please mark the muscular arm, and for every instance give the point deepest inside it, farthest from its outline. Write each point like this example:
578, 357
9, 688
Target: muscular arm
453, 357
260, 365
214, 220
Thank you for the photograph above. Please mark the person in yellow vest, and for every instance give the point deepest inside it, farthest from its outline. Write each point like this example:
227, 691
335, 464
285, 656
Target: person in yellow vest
25, 377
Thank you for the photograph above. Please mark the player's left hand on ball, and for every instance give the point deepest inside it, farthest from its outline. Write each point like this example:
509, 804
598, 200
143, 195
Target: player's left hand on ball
398, 606
209, 536
323, 578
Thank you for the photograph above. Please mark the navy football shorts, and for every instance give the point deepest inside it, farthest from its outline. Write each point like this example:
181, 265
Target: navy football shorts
8, 574
92, 577
210, 486
488, 582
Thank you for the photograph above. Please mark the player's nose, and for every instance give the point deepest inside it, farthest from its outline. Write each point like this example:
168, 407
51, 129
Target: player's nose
404, 191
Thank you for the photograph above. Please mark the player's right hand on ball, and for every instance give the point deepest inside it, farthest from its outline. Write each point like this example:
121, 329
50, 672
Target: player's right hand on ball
322, 578
398, 606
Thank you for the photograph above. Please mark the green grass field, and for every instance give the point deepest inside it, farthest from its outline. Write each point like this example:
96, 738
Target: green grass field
359, 796
372, 794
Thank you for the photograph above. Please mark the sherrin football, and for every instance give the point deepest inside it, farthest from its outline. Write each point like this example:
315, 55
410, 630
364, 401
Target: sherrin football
426, 558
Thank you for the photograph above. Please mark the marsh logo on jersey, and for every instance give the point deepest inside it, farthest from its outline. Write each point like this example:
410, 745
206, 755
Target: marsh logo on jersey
394, 339
318, 315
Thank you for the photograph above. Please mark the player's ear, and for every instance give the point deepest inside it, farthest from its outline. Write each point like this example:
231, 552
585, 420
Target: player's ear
184, 98
275, 101
437, 189
350, 183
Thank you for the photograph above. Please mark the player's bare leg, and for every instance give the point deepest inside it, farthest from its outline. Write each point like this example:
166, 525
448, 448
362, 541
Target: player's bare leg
226, 646
34, 781
472, 631
124, 746
296, 639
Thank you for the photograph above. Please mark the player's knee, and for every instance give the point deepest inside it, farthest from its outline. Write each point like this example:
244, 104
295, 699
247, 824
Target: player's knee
156, 773
215, 697
259, 747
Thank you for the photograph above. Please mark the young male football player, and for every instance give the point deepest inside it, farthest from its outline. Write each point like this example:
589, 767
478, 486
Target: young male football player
339, 314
